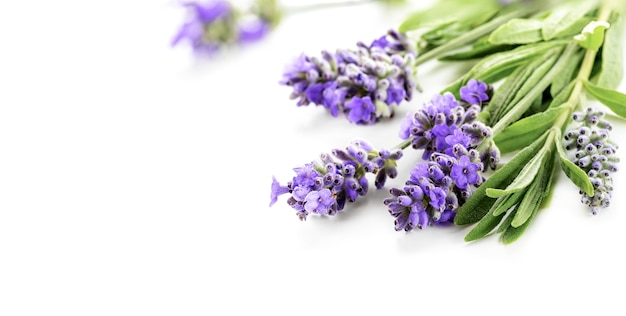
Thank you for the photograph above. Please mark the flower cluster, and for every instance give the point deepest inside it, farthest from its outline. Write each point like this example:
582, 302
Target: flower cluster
323, 187
436, 189
217, 23
594, 153
443, 122
447, 131
361, 83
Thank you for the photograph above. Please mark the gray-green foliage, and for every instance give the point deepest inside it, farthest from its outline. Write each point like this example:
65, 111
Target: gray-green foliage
541, 61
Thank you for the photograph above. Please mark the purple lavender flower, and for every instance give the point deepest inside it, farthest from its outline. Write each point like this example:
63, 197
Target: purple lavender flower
361, 110
435, 189
437, 126
217, 23
361, 83
591, 149
475, 92
447, 131
323, 187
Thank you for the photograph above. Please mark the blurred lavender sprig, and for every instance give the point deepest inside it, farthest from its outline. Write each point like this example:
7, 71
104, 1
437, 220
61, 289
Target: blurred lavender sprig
216, 24
362, 83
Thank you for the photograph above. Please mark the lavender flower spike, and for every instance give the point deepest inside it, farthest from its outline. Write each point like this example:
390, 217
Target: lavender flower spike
444, 117
362, 83
591, 149
323, 187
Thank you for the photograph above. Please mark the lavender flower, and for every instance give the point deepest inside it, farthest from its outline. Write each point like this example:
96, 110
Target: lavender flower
447, 131
435, 189
591, 149
361, 83
475, 92
323, 187
443, 121
217, 23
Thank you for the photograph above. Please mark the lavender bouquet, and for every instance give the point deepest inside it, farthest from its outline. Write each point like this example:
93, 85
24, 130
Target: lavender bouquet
534, 64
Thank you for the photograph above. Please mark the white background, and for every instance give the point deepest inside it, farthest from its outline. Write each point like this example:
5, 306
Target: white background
135, 180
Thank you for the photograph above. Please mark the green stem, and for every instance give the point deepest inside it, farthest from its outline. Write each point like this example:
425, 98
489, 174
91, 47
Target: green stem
403, 145
473, 35
585, 69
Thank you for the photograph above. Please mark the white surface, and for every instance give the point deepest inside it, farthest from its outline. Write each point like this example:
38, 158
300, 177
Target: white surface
135, 181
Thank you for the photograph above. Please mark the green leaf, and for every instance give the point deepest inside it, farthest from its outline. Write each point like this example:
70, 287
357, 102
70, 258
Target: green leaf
506, 223
574, 28
612, 64
512, 233
485, 226
561, 81
534, 195
563, 96
499, 65
504, 95
480, 49
563, 17
523, 132
527, 174
479, 203
518, 31
537, 73
504, 203
571, 170
614, 100
445, 11
592, 35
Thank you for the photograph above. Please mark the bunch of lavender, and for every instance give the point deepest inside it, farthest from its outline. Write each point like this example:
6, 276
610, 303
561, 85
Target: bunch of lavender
217, 23
447, 131
436, 188
591, 149
543, 55
362, 83
323, 187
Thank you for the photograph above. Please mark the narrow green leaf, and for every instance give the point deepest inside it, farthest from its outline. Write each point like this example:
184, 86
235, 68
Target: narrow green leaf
479, 203
563, 17
525, 131
504, 203
527, 174
518, 31
512, 233
534, 195
506, 223
574, 28
480, 49
484, 227
561, 81
446, 10
563, 96
504, 95
494, 67
612, 64
614, 100
571, 170
538, 74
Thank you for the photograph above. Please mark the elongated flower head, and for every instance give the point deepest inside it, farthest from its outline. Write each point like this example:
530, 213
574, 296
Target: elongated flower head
435, 189
361, 83
323, 187
444, 121
589, 145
